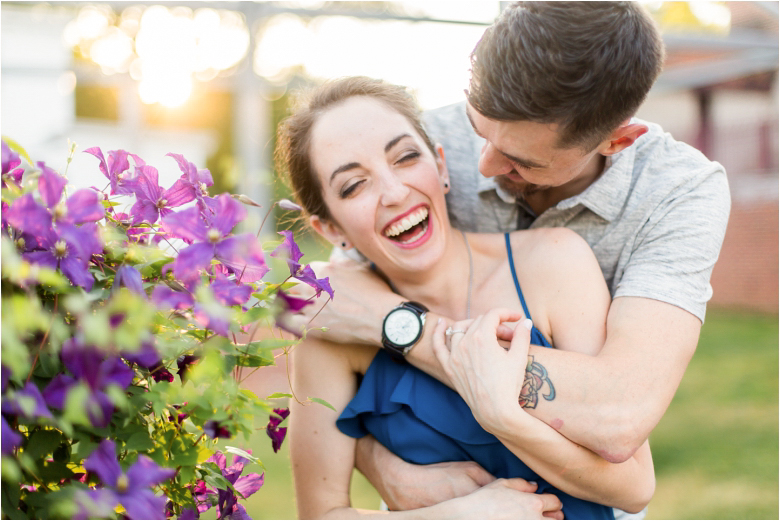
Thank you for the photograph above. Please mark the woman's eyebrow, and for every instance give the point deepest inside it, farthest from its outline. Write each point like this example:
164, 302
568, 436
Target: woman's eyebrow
390, 144
349, 166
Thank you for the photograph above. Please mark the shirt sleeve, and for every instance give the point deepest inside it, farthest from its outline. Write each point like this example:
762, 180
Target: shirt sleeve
674, 253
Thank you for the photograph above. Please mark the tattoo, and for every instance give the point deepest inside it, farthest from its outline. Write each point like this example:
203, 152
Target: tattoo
535, 378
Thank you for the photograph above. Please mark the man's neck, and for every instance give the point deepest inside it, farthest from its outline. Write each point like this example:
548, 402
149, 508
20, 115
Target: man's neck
540, 201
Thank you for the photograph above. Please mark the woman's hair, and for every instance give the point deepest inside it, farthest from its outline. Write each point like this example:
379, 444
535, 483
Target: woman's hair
587, 66
293, 142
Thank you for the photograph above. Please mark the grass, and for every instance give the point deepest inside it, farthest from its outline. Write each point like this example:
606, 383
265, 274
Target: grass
715, 451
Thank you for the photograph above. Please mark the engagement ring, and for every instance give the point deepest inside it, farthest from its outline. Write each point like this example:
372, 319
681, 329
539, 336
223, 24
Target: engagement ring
450, 331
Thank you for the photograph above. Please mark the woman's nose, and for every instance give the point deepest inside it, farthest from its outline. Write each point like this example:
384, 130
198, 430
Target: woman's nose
492, 162
394, 190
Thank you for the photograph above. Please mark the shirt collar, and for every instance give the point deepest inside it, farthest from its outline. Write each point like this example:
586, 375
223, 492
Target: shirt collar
606, 196
486, 184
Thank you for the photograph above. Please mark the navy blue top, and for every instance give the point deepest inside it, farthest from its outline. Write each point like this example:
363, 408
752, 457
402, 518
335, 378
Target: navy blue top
423, 421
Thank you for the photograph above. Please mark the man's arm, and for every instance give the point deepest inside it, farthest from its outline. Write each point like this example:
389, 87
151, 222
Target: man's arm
608, 403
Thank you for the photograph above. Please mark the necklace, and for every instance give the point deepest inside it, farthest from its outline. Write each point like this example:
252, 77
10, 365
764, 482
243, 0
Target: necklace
471, 275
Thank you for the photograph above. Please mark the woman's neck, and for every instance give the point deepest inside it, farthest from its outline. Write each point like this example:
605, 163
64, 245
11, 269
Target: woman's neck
444, 288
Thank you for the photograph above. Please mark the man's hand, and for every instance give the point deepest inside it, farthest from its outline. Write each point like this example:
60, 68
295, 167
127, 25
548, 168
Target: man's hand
405, 486
355, 315
506, 499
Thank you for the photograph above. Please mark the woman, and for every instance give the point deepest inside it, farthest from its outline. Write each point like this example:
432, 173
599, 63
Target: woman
363, 168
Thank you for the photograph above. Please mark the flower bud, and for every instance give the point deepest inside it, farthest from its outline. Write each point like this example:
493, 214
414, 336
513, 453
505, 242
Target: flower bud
246, 200
289, 205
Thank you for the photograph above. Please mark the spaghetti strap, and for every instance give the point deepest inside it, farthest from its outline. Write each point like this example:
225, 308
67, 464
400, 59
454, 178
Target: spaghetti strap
514, 276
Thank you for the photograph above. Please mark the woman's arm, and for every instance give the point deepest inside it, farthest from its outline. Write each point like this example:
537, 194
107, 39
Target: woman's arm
562, 280
322, 457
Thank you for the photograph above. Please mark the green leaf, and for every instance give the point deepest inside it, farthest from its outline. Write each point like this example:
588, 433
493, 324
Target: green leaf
322, 402
42, 443
139, 442
54, 472
253, 315
16, 147
274, 396
10, 499
11, 473
75, 412
242, 453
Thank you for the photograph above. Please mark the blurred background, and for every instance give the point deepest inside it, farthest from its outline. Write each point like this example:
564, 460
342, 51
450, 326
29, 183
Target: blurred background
211, 80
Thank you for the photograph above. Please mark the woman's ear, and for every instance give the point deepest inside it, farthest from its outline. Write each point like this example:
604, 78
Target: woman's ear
330, 231
441, 164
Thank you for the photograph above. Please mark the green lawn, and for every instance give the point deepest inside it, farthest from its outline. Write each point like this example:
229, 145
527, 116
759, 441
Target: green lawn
715, 451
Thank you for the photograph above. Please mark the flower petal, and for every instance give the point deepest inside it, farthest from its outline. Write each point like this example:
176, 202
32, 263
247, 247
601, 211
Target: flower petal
145, 473
84, 205
192, 259
103, 462
28, 216
54, 394
130, 278
10, 438
229, 213
244, 255
143, 504
50, 185
76, 270
186, 224
180, 193
249, 484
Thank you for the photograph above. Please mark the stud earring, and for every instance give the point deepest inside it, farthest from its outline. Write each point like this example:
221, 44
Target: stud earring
343, 244
446, 185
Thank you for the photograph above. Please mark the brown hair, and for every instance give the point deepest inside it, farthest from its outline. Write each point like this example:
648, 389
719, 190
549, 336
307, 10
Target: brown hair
586, 66
293, 142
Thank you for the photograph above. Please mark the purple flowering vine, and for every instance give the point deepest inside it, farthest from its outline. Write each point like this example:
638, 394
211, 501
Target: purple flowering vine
273, 430
227, 501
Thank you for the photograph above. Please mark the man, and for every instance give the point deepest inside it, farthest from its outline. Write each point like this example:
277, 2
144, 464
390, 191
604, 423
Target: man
553, 90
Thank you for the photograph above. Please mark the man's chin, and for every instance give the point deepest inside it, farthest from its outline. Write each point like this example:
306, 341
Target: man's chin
519, 190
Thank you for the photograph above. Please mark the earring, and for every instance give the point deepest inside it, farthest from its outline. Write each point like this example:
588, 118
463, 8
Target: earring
343, 244
446, 184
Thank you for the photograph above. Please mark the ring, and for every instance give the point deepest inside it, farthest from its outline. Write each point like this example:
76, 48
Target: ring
450, 331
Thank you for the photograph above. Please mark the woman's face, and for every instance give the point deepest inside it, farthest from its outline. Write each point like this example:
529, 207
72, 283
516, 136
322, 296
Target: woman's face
382, 185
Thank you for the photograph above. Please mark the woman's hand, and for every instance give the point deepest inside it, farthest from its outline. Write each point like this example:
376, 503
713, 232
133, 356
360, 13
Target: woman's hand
506, 499
488, 377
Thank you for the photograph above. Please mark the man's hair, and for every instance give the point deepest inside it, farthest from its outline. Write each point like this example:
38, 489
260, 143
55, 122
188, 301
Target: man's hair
586, 66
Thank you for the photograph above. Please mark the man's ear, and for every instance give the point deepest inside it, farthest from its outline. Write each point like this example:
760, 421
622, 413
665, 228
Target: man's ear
622, 138
441, 164
330, 231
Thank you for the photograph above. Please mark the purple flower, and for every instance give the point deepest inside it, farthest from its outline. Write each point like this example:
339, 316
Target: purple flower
116, 169
227, 502
229, 292
303, 273
147, 357
273, 430
130, 278
130, 489
69, 249
199, 180
10, 438
216, 430
152, 201
167, 298
89, 365
241, 253
10, 159
27, 402
183, 363
289, 305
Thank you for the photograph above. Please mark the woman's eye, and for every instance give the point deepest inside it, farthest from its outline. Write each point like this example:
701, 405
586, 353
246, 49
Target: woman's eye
347, 190
408, 157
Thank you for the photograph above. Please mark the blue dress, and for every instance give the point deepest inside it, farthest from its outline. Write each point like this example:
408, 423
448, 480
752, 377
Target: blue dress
423, 421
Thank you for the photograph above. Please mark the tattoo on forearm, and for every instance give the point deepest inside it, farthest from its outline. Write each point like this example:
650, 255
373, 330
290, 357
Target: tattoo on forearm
535, 378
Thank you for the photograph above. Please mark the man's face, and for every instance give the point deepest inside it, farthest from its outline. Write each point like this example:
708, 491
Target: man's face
524, 159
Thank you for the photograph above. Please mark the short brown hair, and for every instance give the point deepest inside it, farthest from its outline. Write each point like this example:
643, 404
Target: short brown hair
586, 66
293, 143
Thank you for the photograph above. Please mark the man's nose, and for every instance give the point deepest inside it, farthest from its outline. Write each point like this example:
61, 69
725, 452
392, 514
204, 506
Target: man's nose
492, 162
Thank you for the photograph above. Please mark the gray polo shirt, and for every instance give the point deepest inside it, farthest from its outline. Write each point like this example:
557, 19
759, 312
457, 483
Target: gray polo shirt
655, 218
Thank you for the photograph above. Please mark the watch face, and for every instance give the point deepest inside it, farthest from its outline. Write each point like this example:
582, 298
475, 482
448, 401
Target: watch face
402, 327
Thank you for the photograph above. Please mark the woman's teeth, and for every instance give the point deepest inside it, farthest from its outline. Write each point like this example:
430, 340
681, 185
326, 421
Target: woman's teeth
406, 224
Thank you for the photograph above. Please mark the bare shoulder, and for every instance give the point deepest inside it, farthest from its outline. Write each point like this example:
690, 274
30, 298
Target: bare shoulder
550, 248
317, 355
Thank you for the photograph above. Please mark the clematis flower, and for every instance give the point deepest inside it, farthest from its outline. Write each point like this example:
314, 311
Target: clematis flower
273, 430
68, 248
305, 273
116, 169
198, 180
148, 358
130, 278
227, 502
242, 254
89, 365
152, 202
10, 438
184, 362
289, 305
129, 489
27, 402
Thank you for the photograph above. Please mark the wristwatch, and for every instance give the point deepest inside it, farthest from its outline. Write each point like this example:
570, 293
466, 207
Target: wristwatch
403, 327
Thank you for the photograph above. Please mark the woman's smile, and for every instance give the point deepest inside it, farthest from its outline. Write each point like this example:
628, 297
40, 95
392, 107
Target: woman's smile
411, 229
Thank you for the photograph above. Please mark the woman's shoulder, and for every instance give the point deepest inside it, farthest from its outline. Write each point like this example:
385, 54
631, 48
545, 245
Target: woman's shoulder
548, 244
